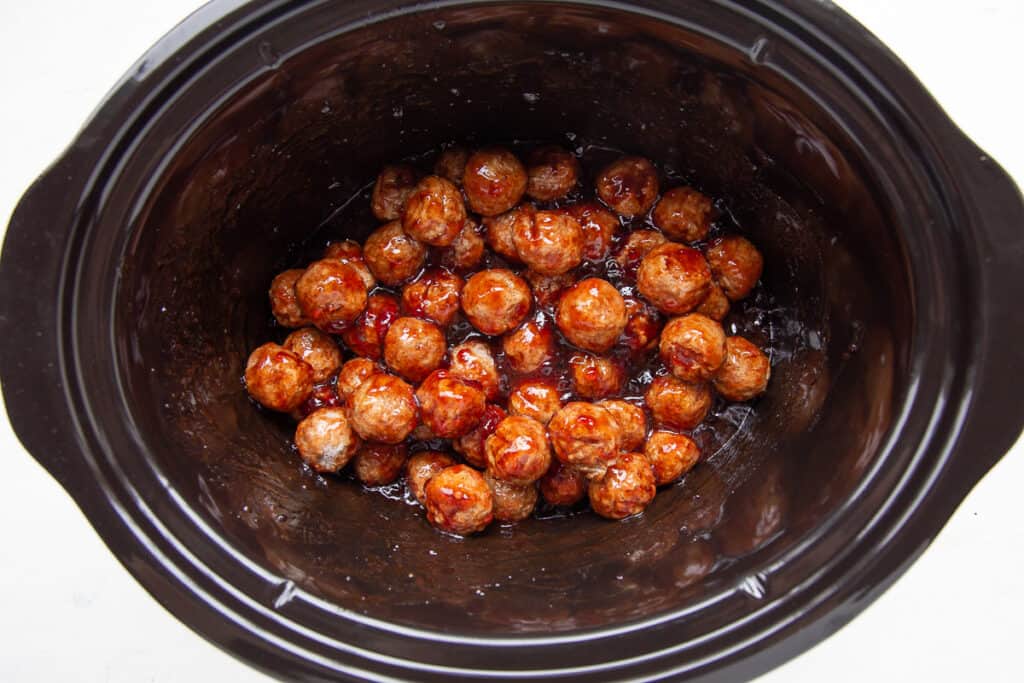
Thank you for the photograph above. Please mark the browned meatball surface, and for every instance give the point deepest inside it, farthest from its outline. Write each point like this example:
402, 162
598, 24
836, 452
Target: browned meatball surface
674, 278
467, 251
332, 294
563, 485
379, 464
501, 229
716, 303
744, 374
550, 244
349, 251
421, 467
692, 347
473, 362
496, 301
317, 349
599, 228
637, 244
283, 301
676, 404
631, 420
433, 296
595, 377
471, 445
671, 455
434, 213
737, 265
352, 375
628, 186
643, 326
683, 214
512, 502
384, 409
325, 440
494, 181
393, 256
450, 407
365, 337
548, 289
585, 436
625, 489
535, 398
529, 346
414, 348
392, 189
591, 314
451, 163
459, 501
518, 450
277, 378
551, 173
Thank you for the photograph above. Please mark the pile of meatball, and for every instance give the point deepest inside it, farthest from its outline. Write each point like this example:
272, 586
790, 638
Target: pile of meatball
501, 338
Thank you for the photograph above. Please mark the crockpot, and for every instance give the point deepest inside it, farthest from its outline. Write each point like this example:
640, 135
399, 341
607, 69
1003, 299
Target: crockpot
233, 147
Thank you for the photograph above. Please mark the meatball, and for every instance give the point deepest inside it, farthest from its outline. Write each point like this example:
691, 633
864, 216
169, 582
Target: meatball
625, 489
683, 214
392, 189
379, 464
383, 409
643, 326
631, 420
547, 289
674, 278
745, 372
500, 230
494, 181
692, 347
591, 314
637, 245
283, 302
716, 304
414, 348
277, 378
325, 440
451, 163
449, 406
585, 436
551, 173
628, 186
467, 251
471, 445
434, 213
529, 346
512, 502
317, 349
496, 301
392, 256
473, 362
550, 244
518, 450
563, 485
433, 296
595, 376
537, 399
351, 253
736, 265
421, 467
365, 337
323, 396
671, 455
676, 404
459, 501
599, 228
352, 375
332, 293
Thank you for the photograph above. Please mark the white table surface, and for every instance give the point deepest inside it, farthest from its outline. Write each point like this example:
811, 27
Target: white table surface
71, 612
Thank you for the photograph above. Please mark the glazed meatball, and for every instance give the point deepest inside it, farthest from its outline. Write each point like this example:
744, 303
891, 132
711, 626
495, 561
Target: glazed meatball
537, 399
421, 467
332, 294
414, 348
512, 502
450, 407
591, 314
518, 450
317, 349
451, 163
496, 301
637, 245
563, 485
551, 173
471, 445
745, 372
550, 244
548, 289
473, 362
585, 436
283, 302
434, 213
501, 229
365, 337
324, 396
277, 378
628, 186
599, 227
351, 253
631, 420
674, 278
595, 377
459, 501
643, 326
692, 347
676, 404
625, 489
494, 181
379, 464
383, 409
529, 346
683, 214
671, 455
352, 375
433, 296
467, 251
392, 189
736, 264
392, 256
325, 440
716, 304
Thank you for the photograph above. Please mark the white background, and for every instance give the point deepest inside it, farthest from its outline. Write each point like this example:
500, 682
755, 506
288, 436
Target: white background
70, 612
